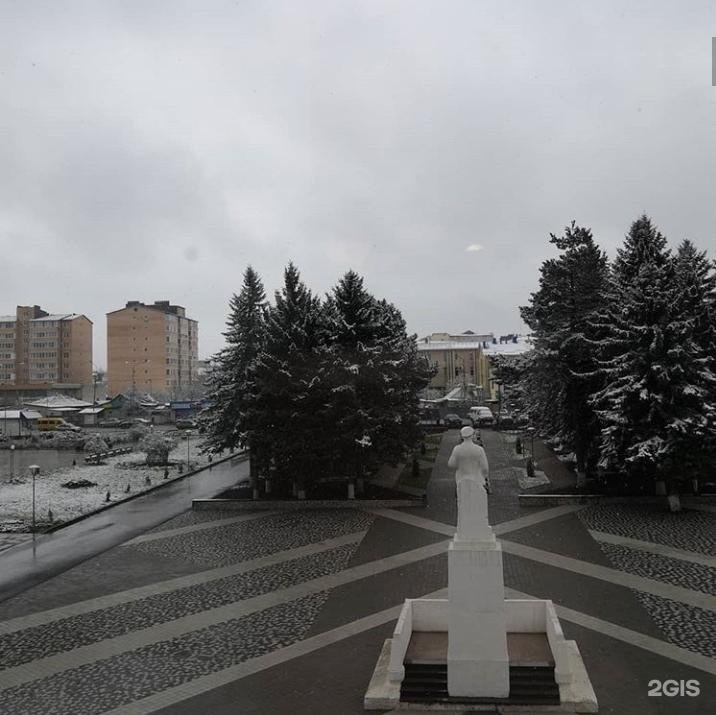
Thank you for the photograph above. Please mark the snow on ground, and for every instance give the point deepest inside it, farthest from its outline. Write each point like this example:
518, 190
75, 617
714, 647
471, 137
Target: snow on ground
16, 499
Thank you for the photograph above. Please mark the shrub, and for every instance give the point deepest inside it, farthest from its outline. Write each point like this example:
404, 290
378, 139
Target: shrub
95, 444
157, 446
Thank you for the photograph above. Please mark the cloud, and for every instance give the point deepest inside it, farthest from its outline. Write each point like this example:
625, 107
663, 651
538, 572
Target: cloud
150, 156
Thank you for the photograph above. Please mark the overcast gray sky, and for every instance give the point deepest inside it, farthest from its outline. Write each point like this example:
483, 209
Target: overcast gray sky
150, 150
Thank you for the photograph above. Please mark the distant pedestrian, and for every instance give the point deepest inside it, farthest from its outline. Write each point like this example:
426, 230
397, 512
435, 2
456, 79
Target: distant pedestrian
211, 459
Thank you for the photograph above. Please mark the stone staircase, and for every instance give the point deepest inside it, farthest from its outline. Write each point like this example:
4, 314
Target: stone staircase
529, 685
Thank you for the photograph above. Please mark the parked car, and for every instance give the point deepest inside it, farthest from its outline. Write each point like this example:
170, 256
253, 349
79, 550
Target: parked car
481, 416
67, 427
110, 422
452, 420
185, 424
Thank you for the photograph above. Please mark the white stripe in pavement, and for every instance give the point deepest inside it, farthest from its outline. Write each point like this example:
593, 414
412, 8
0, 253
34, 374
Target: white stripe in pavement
206, 683
654, 645
621, 578
503, 528
42, 618
101, 650
654, 548
603, 573
180, 530
203, 684
419, 521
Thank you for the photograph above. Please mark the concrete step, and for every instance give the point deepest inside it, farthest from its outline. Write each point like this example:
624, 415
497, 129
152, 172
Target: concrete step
529, 685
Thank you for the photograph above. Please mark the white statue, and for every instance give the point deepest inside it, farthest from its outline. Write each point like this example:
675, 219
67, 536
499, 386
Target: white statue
470, 459
471, 477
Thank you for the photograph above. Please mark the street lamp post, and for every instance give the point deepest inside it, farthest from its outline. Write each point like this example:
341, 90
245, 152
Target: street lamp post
187, 450
12, 461
34, 470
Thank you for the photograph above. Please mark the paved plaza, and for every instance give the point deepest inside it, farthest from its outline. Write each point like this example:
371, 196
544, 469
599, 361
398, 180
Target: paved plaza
286, 612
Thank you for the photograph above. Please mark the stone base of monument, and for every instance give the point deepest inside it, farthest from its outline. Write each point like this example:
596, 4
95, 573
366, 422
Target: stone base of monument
546, 672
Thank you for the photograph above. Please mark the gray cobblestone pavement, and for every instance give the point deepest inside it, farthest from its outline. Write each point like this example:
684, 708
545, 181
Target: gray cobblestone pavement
243, 541
333, 678
686, 626
662, 568
23, 646
689, 530
127, 677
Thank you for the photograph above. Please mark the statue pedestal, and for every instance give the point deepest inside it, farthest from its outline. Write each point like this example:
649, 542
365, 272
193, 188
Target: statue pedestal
477, 660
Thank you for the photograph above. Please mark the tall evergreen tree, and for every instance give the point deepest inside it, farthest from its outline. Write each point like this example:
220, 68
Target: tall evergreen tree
288, 397
571, 288
694, 326
376, 375
650, 407
230, 379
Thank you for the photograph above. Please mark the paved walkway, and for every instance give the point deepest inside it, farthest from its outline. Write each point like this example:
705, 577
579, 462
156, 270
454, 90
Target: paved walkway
34, 560
286, 612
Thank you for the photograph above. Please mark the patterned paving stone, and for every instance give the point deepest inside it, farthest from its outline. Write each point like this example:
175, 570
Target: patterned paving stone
689, 530
685, 626
114, 570
127, 677
23, 646
191, 518
248, 540
662, 568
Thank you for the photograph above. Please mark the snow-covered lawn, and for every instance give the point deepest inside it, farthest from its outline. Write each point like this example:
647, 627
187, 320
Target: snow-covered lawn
16, 499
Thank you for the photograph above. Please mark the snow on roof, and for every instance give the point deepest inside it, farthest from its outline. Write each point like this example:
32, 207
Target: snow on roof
452, 345
523, 345
56, 316
7, 318
58, 402
91, 411
15, 414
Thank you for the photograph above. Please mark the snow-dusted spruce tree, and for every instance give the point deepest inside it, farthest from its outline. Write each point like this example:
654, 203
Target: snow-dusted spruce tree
230, 379
652, 407
695, 327
287, 411
375, 375
571, 288
404, 374
352, 323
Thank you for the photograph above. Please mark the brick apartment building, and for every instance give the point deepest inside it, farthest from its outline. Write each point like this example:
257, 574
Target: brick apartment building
43, 353
152, 348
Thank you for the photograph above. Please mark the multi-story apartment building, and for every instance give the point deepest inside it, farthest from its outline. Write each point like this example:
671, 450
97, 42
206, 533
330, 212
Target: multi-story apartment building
41, 353
152, 348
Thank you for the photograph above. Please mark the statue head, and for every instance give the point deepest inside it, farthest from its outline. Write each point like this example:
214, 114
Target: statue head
467, 433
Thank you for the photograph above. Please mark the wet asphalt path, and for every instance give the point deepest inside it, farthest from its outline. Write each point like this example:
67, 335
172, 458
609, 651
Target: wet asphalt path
34, 561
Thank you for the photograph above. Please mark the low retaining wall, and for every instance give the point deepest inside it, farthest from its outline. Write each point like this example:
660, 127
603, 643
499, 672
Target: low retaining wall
528, 500
296, 505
